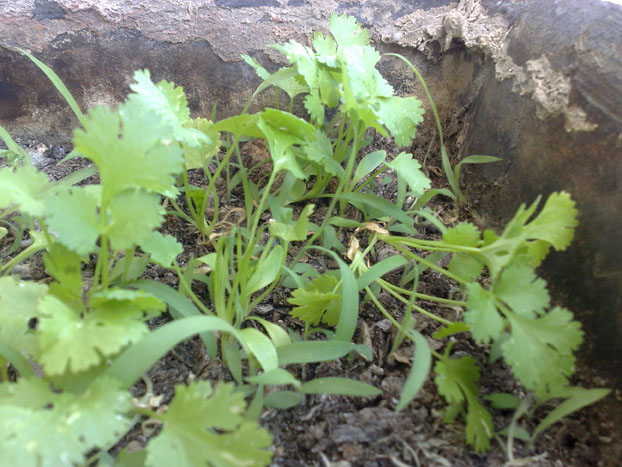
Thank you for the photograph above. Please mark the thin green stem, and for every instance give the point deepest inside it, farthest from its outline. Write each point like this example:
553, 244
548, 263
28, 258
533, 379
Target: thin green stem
418, 308
392, 319
103, 256
371, 178
31, 250
188, 290
429, 298
430, 265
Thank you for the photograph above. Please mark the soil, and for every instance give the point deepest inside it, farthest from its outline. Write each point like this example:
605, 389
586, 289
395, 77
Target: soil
340, 431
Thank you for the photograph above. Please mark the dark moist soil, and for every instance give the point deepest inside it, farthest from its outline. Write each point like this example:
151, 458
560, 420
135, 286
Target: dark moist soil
341, 431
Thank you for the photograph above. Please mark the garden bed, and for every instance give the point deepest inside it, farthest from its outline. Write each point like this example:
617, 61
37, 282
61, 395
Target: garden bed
348, 300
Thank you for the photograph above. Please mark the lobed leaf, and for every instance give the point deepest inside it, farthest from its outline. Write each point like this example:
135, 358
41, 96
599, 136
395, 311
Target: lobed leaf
540, 350
23, 187
72, 343
189, 435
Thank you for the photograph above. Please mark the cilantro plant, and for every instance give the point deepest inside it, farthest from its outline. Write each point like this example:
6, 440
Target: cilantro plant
82, 341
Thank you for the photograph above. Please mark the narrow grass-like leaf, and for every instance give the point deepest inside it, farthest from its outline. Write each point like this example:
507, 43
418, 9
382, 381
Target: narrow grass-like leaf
519, 433
473, 160
267, 271
312, 351
12, 145
138, 358
381, 204
577, 399
261, 346
380, 269
368, 164
58, 83
422, 361
501, 400
431, 193
454, 183
179, 306
275, 377
341, 386
282, 399
278, 335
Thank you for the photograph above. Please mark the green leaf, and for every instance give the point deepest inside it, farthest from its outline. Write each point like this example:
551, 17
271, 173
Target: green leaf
540, 351
482, 317
303, 60
368, 164
456, 380
139, 357
422, 361
320, 150
132, 216
58, 84
189, 435
400, 115
18, 305
162, 248
410, 170
65, 267
325, 49
556, 222
313, 105
376, 202
474, 160
479, 428
73, 216
380, 269
70, 342
198, 156
520, 288
577, 399
261, 71
277, 334
126, 301
313, 351
283, 399
319, 301
451, 329
240, 125
274, 377
23, 187
341, 386
257, 343
48, 428
132, 148
169, 103
501, 400
347, 31
453, 182
292, 232
266, 271
455, 377
463, 234
367, 84
15, 153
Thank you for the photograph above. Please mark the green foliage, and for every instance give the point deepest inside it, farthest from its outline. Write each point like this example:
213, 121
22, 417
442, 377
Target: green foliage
86, 333
456, 380
202, 426
319, 301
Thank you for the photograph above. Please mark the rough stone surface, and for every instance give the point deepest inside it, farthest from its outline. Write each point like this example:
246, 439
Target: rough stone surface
536, 82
